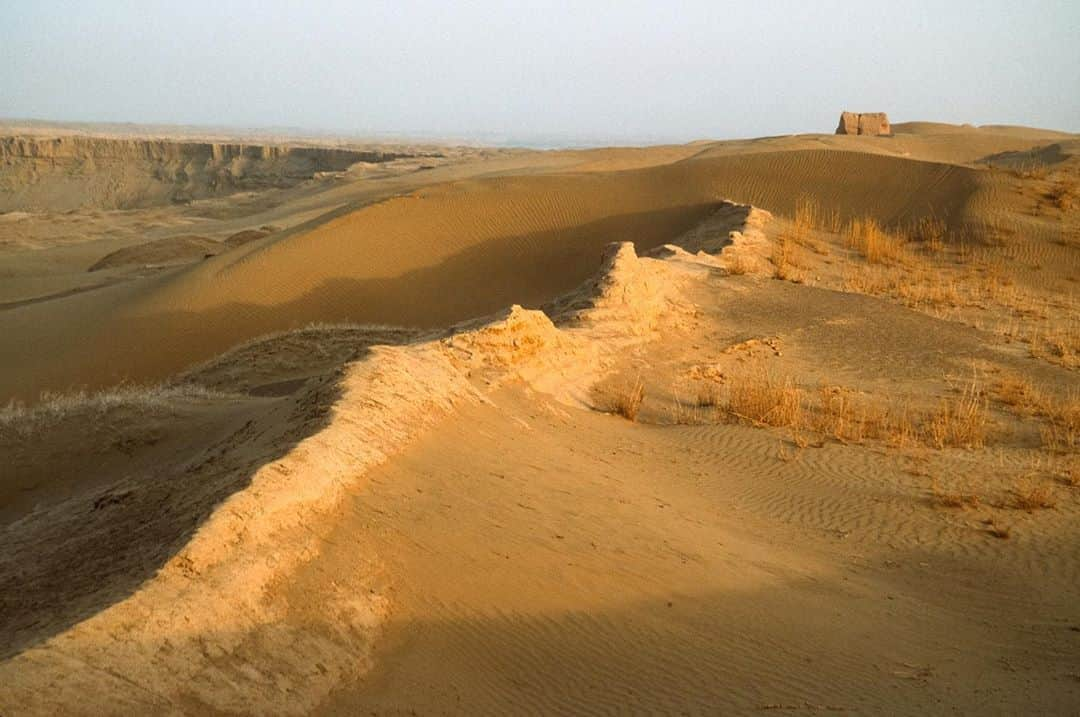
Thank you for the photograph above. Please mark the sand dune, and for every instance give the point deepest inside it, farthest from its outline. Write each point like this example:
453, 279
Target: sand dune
443, 254
387, 465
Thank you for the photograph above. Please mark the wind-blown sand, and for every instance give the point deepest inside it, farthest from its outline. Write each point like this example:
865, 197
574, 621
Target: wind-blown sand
362, 482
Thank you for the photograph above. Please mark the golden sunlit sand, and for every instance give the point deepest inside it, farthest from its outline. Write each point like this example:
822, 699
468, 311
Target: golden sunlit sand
781, 424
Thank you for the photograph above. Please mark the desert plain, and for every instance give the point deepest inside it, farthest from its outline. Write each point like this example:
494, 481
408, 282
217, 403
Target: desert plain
317, 426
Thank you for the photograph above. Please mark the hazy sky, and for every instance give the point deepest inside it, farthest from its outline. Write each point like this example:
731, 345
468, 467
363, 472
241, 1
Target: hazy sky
618, 70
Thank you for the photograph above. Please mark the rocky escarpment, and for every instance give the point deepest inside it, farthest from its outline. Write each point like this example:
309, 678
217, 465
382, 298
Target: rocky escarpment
66, 173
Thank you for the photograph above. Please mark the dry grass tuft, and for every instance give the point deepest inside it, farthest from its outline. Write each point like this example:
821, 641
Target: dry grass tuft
737, 264
872, 281
1019, 393
626, 401
960, 421
1057, 344
919, 288
1062, 430
1070, 474
806, 211
847, 416
1064, 193
1029, 495
684, 414
709, 395
930, 233
1032, 169
810, 215
55, 407
868, 238
830, 221
959, 499
783, 259
763, 398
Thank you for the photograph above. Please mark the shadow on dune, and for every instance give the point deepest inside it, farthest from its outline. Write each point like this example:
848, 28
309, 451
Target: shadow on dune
68, 560
1029, 159
815, 644
111, 335
528, 269
120, 491
132, 498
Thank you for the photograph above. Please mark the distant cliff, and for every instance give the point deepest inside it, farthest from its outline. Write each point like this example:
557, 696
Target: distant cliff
71, 172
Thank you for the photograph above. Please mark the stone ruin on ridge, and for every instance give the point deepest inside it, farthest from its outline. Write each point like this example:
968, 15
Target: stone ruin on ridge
872, 123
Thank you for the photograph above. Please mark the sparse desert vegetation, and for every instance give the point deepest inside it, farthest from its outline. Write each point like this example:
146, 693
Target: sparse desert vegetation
623, 399
809, 216
873, 242
761, 396
1070, 473
959, 420
1029, 494
22, 420
955, 499
1058, 413
738, 265
962, 275
783, 259
930, 232
1064, 193
1031, 169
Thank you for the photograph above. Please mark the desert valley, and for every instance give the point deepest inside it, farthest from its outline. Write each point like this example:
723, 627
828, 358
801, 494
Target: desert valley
308, 425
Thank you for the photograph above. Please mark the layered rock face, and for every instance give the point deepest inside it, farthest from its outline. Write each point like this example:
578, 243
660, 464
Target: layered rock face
71, 172
870, 123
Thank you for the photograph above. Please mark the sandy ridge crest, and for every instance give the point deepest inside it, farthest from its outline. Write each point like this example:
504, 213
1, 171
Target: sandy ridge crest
214, 628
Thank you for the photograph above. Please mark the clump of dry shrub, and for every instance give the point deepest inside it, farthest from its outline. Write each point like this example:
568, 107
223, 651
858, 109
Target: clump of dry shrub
1019, 393
1070, 473
766, 398
930, 233
810, 215
1029, 495
1057, 344
624, 400
960, 421
1060, 431
848, 416
954, 499
685, 414
783, 260
23, 420
763, 397
871, 240
737, 264
1030, 170
1064, 193
708, 394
